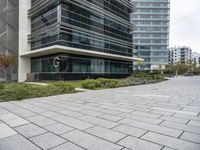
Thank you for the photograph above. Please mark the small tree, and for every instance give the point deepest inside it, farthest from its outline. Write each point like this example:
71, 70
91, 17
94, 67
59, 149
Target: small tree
6, 61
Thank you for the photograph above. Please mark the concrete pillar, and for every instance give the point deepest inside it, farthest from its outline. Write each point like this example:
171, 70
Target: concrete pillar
24, 46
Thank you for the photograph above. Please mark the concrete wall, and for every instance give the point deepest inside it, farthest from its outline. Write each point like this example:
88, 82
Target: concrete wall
24, 46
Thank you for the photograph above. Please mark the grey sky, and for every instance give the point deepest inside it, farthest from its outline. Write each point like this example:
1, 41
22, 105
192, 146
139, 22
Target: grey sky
185, 24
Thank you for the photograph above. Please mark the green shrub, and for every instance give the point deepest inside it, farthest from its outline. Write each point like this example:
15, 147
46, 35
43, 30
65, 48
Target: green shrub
61, 87
23, 91
100, 83
124, 83
27, 91
136, 79
108, 83
2, 86
91, 84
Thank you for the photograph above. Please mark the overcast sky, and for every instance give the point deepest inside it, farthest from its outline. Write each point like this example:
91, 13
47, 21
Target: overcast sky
185, 24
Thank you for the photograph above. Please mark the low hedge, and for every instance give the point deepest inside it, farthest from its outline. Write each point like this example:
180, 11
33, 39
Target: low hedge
130, 81
100, 83
61, 88
108, 83
21, 91
1, 86
91, 84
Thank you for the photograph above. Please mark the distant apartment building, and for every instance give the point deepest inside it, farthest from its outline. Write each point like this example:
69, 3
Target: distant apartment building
151, 32
67, 40
196, 59
180, 55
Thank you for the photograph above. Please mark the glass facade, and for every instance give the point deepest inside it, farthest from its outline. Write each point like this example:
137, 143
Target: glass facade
151, 34
79, 64
101, 26
68, 65
71, 24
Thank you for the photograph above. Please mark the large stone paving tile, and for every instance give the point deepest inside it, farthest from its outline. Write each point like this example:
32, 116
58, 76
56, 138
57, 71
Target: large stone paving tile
75, 123
41, 121
171, 142
191, 137
138, 144
90, 142
6, 131
47, 140
68, 146
130, 130
69, 113
17, 142
99, 121
3, 111
194, 123
175, 119
30, 130
183, 127
13, 120
152, 127
49, 114
107, 134
58, 128
110, 117
141, 118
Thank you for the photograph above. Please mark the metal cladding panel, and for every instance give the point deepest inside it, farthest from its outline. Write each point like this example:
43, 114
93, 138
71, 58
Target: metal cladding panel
9, 35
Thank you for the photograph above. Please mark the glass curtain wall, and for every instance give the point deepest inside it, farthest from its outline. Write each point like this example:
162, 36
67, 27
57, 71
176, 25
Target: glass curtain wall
151, 34
78, 25
79, 64
102, 26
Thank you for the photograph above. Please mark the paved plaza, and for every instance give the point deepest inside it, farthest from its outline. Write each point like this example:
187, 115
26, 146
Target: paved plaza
163, 116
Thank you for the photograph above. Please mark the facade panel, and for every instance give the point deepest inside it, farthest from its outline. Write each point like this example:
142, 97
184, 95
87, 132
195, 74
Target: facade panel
9, 36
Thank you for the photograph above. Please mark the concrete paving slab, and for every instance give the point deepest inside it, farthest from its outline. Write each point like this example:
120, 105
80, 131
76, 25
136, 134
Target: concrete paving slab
17, 142
90, 142
13, 120
170, 141
47, 140
106, 134
58, 128
135, 143
6, 131
68, 146
30, 130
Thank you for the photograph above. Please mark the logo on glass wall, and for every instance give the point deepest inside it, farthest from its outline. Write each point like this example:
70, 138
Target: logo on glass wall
56, 62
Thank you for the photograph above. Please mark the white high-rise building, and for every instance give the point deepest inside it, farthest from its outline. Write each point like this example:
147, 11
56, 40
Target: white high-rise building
196, 59
151, 32
180, 55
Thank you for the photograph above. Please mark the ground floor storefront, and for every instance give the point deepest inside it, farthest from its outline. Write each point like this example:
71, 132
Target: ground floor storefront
76, 67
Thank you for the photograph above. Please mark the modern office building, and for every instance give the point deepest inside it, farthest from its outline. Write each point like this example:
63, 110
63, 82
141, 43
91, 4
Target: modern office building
73, 39
196, 59
180, 55
151, 34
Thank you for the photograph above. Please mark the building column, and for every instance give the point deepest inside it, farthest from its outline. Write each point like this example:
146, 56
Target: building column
24, 46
